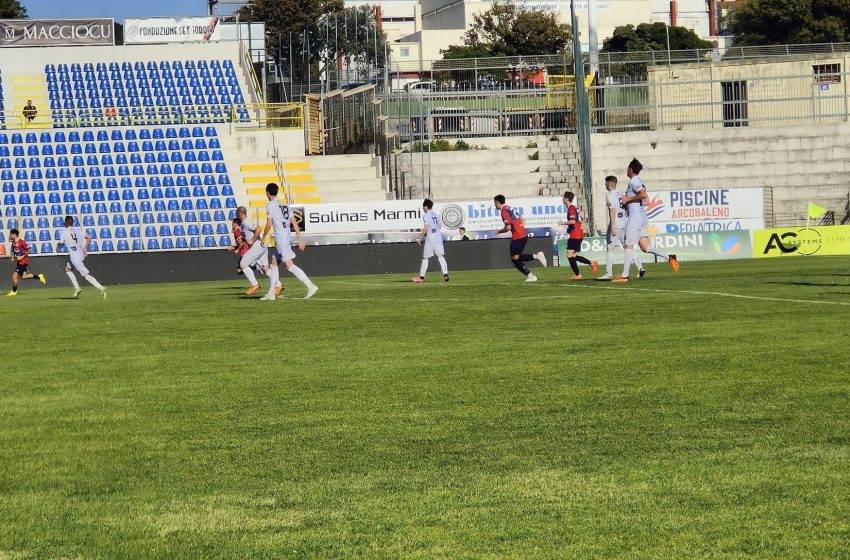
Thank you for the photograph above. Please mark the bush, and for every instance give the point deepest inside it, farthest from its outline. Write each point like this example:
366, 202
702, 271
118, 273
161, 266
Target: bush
534, 156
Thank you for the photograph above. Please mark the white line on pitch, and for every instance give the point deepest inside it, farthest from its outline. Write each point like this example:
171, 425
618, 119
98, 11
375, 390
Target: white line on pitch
719, 294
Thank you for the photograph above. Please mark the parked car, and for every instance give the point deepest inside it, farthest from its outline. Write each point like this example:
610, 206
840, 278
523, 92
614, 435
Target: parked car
420, 88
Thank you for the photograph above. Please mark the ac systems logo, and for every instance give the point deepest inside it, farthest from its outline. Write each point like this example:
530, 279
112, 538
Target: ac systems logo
805, 241
654, 208
725, 247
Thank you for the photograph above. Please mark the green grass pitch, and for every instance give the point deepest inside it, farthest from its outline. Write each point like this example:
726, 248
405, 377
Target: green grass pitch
704, 414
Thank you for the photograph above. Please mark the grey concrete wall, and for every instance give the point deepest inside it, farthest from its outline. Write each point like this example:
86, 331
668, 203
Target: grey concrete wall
800, 163
327, 260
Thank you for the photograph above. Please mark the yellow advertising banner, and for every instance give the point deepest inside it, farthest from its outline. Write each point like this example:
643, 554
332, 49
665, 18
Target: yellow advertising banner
801, 241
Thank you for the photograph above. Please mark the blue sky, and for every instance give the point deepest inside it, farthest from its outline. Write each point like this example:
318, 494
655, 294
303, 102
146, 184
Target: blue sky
118, 9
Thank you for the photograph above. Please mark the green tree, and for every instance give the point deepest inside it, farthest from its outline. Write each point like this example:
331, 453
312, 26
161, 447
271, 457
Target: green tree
12, 9
512, 30
652, 37
465, 51
775, 22
319, 31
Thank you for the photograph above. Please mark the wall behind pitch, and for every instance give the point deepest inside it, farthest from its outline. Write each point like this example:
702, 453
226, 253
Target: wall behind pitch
326, 260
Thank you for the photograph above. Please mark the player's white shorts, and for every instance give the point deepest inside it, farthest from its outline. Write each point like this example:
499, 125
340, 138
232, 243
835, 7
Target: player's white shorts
283, 254
254, 254
433, 246
76, 263
635, 230
616, 238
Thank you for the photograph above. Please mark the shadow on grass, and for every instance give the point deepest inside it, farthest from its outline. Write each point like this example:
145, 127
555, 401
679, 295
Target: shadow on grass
69, 298
811, 284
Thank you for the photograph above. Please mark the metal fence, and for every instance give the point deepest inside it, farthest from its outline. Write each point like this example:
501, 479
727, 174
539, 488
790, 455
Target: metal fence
665, 101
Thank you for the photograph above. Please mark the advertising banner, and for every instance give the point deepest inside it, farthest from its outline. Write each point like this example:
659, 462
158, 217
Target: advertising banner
697, 210
401, 215
171, 30
56, 32
702, 246
801, 241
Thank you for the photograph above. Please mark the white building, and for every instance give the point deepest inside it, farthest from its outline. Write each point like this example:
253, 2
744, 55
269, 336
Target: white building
444, 22
692, 14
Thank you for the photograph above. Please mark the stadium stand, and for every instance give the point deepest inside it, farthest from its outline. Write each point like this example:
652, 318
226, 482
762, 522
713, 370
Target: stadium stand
151, 92
135, 189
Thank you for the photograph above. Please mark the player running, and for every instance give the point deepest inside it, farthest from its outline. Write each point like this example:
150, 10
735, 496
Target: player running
433, 242
280, 218
242, 229
636, 232
21, 257
616, 233
515, 224
77, 242
573, 223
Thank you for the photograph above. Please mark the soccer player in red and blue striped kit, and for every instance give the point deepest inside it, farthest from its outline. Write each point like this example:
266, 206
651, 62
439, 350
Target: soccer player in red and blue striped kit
516, 225
576, 236
21, 256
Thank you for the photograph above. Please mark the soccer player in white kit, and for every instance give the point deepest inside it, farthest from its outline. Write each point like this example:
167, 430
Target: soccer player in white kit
433, 242
616, 234
279, 217
257, 253
76, 241
636, 225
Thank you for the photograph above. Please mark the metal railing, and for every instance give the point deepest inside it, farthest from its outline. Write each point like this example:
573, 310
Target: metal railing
663, 102
285, 116
249, 67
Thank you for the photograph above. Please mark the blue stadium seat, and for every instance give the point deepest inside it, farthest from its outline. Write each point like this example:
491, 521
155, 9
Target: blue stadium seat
47, 247
93, 247
135, 231
105, 233
209, 241
137, 245
218, 216
153, 245
123, 246
120, 233
147, 218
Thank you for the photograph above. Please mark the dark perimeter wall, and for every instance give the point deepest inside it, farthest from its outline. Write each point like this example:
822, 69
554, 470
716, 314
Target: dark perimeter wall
326, 260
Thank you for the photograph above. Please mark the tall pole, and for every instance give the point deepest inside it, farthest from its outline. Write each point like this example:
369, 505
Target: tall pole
592, 36
582, 111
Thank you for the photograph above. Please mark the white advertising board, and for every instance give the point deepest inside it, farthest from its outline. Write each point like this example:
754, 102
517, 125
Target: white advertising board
400, 215
171, 30
705, 210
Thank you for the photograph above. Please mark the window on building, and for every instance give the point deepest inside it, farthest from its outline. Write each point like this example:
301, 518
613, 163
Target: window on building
404, 51
827, 73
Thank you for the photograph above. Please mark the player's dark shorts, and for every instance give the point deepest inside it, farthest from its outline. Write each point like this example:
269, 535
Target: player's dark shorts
574, 245
518, 245
21, 268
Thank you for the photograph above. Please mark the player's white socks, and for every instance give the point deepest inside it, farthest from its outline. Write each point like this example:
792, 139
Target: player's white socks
298, 273
249, 274
661, 254
424, 268
73, 278
90, 279
629, 258
274, 275
609, 262
444, 266
638, 262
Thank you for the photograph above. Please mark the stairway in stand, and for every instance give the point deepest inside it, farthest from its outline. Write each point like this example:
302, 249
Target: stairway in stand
26, 88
